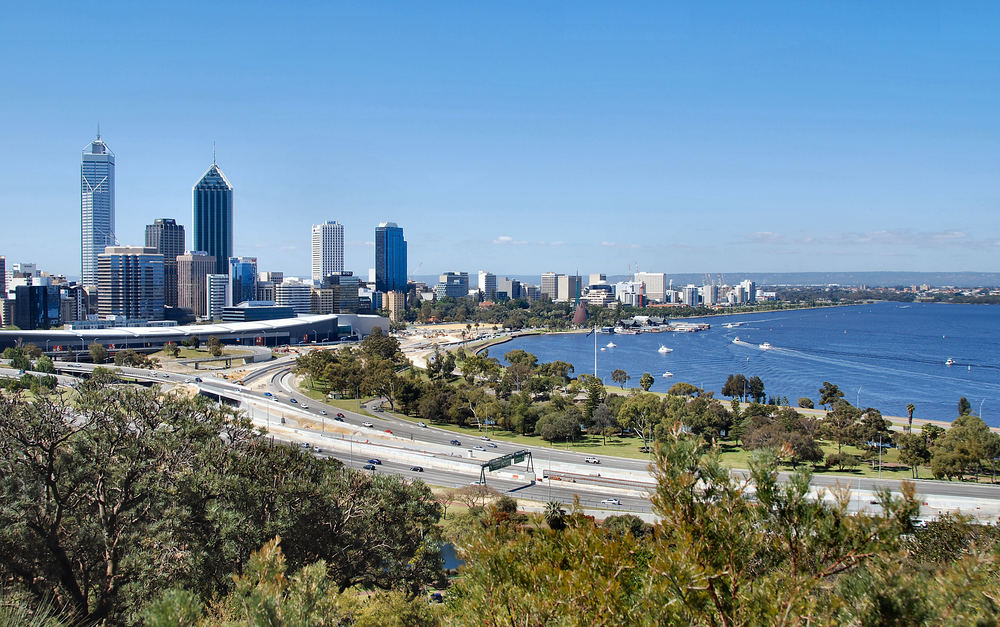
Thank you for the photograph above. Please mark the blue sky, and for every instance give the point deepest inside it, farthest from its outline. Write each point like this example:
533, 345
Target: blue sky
521, 137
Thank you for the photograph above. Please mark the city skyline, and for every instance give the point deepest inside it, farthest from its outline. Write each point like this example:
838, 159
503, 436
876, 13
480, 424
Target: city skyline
816, 139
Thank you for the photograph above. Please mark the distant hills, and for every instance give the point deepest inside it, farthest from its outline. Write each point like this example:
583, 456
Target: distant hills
870, 279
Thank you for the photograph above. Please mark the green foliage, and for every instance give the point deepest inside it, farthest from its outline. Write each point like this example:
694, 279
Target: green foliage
171, 349
44, 364
214, 346
98, 353
18, 358
646, 381
829, 394
805, 402
620, 377
134, 359
964, 407
684, 389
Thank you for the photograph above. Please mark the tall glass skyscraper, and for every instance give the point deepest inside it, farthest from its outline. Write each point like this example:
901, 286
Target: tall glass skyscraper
213, 217
243, 279
167, 237
97, 206
390, 258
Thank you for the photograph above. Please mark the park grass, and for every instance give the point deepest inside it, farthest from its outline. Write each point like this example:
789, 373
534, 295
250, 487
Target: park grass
197, 353
355, 405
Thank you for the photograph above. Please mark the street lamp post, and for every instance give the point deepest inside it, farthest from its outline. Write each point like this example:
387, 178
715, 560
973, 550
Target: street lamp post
857, 402
981, 407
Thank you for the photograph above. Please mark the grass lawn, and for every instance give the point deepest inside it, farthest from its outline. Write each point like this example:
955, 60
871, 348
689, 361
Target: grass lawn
347, 404
197, 353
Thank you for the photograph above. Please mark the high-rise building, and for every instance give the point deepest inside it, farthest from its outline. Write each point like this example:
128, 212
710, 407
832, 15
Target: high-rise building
749, 291
130, 282
167, 237
453, 285
3, 277
36, 306
395, 302
212, 224
327, 249
508, 288
295, 294
243, 276
390, 258
193, 269
97, 206
596, 278
656, 284
710, 294
216, 295
568, 288
343, 288
488, 284
550, 285
689, 295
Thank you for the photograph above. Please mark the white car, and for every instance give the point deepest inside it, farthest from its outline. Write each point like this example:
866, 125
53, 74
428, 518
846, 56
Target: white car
611, 502
592, 460
478, 448
322, 412
304, 406
422, 424
485, 438
368, 424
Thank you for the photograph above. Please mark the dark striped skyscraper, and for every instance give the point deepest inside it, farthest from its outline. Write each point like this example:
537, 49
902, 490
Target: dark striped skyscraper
213, 217
390, 258
167, 237
97, 206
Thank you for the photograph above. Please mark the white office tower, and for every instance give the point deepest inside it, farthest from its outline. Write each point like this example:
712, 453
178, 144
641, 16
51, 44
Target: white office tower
327, 249
656, 283
217, 295
295, 294
749, 291
690, 295
488, 284
710, 295
97, 207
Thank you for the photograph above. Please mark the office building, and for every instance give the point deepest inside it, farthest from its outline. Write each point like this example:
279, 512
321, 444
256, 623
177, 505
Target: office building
395, 302
6, 312
243, 278
689, 295
3, 277
749, 291
710, 295
212, 217
488, 284
97, 206
36, 306
265, 290
550, 285
655, 285
568, 288
167, 237
629, 293
72, 303
295, 294
508, 289
273, 277
390, 258
217, 296
341, 291
130, 282
327, 249
452, 285
530, 292
596, 278
193, 269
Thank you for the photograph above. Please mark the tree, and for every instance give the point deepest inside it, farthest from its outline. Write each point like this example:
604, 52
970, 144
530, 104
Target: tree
756, 388
194, 342
841, 424
829, 394
683, 389
171, 349
603, 422
214, 345
913, 452
98, 354
563, 425
378, 344
18, 357
736, 386
620, 377
910, 408
805, 402
964, 448
646, 381
964, 408
639, 413
44, 364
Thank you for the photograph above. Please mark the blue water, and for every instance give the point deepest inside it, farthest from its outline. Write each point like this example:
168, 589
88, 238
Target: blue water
883, 355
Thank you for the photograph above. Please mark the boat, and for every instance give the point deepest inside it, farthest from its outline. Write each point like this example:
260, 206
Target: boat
664, 349
668, 374
950, 362
603, 349
736, 340
766, 346
611, 345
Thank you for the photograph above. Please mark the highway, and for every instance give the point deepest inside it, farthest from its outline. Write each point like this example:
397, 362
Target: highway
267, 397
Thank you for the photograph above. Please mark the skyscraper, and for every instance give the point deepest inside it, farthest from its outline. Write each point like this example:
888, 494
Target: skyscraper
212, 209
97, 206
327, 249
243, 279
130, 282
167, 237
193, 269
390, 258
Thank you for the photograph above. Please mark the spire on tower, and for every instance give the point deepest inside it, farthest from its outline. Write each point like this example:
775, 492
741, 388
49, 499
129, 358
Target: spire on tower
98, 131
213, 152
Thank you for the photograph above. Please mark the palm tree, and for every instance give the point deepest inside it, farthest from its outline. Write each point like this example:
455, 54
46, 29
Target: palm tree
909, 417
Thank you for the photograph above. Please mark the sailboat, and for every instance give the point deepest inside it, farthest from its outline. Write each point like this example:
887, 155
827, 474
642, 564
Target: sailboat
611, 345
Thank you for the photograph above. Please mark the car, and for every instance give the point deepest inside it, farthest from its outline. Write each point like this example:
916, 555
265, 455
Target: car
368, 424
322, 412
304, 406
592, 460
369, 467
485, 438
338, 419
305, 445
456, 443
436, 597
389, 431
422, 424
611, 502
166, 376
478, 448
377, 408
197, 379
375, 460
417, 468
292, 400
478, 482
268, 394
317, 449
491, 445
340, 415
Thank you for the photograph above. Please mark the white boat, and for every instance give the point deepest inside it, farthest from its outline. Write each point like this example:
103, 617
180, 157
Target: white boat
611, 345
736, 340
603, 349
668, 374
664, 349
766, 346
950, 362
